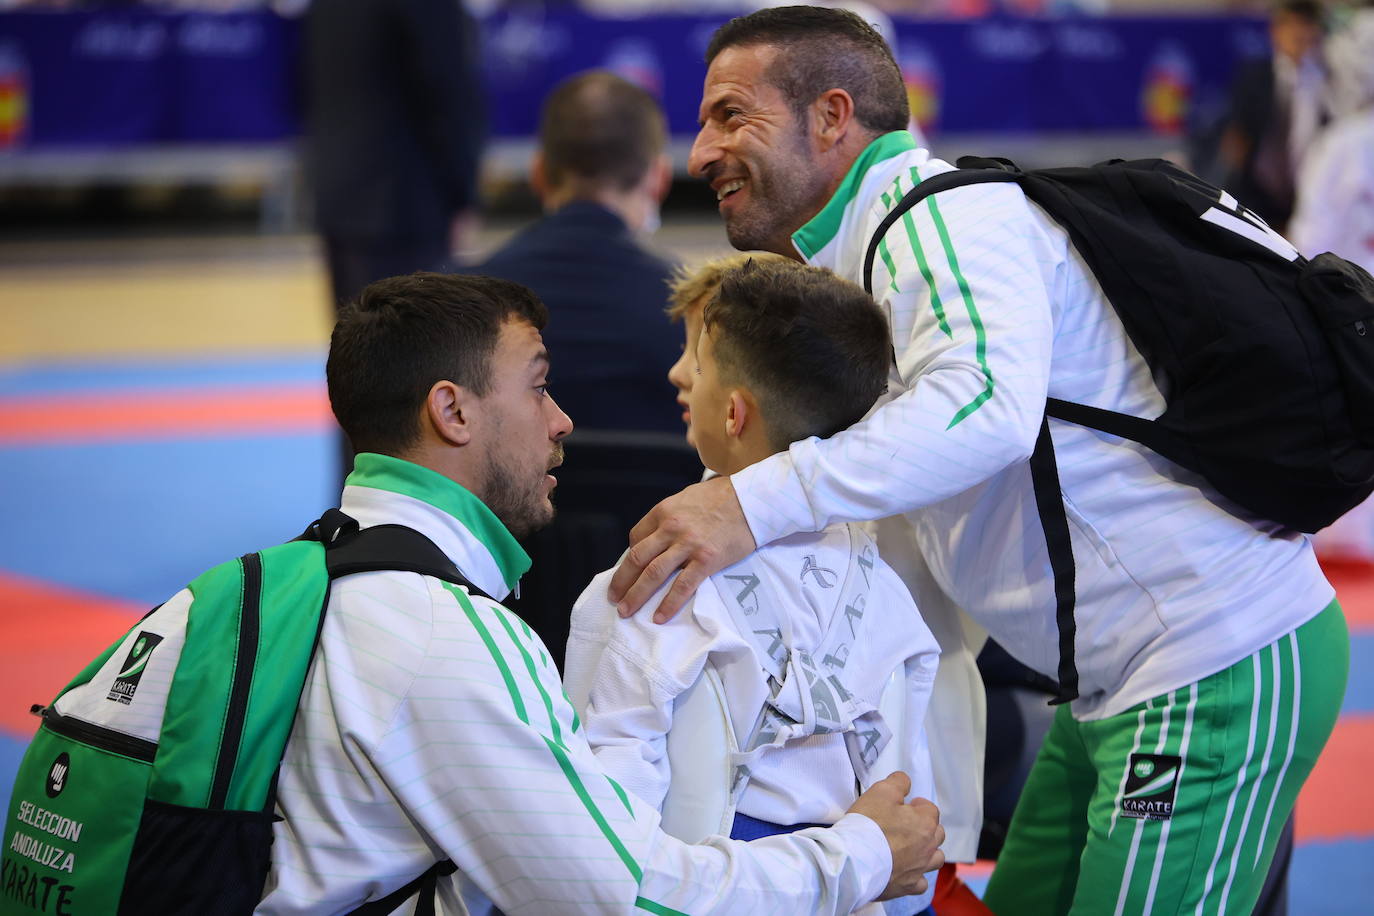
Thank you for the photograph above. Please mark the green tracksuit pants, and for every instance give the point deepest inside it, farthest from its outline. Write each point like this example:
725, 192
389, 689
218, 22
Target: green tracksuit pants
1174, 806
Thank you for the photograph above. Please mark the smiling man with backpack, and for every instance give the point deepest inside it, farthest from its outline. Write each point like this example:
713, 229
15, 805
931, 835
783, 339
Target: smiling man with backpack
1043, 335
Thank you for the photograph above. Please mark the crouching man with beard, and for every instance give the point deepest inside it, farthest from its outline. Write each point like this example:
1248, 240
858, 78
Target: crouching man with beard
433, 725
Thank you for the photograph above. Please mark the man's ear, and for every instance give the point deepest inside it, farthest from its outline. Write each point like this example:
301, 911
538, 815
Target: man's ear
662, 172
739, 413
833, 114
449, 411
539, 175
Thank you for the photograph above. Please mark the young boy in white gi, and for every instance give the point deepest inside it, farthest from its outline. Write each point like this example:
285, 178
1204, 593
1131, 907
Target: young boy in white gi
785, 352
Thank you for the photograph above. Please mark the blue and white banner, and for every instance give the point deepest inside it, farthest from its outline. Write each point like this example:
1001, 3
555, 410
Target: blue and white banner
108, 78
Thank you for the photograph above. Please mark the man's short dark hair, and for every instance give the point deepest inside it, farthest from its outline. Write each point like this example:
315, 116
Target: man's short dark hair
600, 128
821, 49
813, 348
1308, 10
402, 335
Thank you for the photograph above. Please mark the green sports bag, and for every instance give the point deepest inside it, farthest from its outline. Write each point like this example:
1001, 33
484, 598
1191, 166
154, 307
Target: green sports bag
151, 782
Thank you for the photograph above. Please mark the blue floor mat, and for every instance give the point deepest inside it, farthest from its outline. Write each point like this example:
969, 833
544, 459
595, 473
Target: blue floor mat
139, 520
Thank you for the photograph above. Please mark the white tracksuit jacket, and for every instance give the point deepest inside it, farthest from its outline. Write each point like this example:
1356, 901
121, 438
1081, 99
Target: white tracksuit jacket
433, 724
991, 310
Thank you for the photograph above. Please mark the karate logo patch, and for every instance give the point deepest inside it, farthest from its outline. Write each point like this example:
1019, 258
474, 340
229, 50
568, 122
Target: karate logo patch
126, 682
1151, 781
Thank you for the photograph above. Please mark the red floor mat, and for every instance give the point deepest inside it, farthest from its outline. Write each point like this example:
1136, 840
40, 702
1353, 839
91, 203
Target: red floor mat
47, 634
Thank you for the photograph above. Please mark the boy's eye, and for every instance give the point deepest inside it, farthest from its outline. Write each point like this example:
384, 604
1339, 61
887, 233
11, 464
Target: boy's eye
542, 389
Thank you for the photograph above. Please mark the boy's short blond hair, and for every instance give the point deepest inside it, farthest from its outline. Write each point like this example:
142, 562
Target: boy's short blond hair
689, 286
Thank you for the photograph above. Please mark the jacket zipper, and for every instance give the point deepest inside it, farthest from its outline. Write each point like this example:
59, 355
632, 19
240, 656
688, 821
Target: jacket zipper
99, 737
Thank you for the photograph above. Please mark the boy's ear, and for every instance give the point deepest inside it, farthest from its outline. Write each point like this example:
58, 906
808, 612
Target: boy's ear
448, 412
739, 413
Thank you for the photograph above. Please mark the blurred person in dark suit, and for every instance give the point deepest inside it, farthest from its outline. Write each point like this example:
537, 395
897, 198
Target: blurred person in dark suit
394, 126
1277, 107
601, 173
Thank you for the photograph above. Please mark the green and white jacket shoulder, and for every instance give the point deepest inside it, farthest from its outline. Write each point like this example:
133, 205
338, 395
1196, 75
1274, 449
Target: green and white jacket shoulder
991, 311
433, 725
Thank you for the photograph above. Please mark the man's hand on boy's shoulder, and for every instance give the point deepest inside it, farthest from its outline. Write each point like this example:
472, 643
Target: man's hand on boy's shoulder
701, 531
912, 830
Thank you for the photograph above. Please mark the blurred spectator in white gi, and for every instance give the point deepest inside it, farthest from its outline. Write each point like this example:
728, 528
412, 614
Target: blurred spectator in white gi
1335, 212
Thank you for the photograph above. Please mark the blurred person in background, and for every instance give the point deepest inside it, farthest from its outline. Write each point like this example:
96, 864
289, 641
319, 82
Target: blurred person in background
1335, 212
394, 126
601, 173
1348, 89
1278, 104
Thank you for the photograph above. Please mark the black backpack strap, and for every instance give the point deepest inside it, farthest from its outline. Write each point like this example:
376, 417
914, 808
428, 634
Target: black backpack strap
425, 885
1049, 502
350, 549
1155, 436
987, 170
240, 688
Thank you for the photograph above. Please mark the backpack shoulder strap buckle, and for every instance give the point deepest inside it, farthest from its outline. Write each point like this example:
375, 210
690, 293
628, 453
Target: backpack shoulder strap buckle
988, 162
328, 528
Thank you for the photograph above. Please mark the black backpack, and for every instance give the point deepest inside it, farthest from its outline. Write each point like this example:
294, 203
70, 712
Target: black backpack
124, 825
1265, 359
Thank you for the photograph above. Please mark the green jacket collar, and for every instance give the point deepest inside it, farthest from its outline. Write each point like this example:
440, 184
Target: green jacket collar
823, 227
396, 475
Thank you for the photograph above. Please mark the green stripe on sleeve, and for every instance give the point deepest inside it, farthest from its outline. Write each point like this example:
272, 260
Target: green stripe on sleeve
577, 723
936, 305
650, 906
624, 799
888, 263
534, 675
885, 253
576, 782
981, 346
482, 631
918, 251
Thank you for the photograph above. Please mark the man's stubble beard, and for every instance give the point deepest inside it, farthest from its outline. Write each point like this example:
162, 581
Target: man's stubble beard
782, 205
767, 227
522, 510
